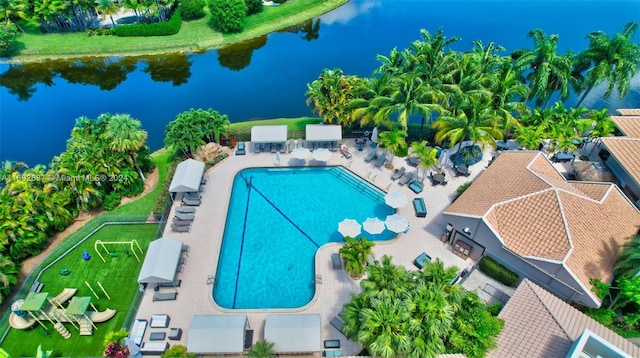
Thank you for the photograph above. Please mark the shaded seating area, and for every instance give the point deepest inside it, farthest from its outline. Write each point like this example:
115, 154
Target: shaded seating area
187, 178
217, 334
160, 266
323, 136
294, 333
269, 138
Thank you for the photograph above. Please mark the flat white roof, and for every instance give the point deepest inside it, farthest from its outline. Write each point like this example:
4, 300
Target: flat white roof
161, 261
187, 176
216, 334
293, 333
269, 134
323, 132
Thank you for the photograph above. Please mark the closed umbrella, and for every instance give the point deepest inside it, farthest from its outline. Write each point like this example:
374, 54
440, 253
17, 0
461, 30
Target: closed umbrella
349, 227
300, 153
321, 154
395, 199
374, 135
373, 226
396, 223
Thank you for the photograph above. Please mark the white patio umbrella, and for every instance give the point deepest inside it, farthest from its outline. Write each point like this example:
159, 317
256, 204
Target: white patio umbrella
300, 153
374, 135
349, 227
373, 226
396, 223
395, 199
321, 154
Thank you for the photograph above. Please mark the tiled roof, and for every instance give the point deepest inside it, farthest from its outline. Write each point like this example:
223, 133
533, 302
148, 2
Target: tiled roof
538, 324
627, 152
629, 111
628, 125
537, 213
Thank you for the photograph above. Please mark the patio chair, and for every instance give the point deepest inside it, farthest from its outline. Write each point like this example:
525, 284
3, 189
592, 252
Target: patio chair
178, 222
256, 148
371, 156
421, 260
191, 202
137, 331
154, 348
180, 228
185, 217
337, 323
191, 195
240, 149
381, 159
275, 147
416, 187
337, 263
266, 147
159, 320
345, 152
291, 145
406, 179
189, 210
398, 173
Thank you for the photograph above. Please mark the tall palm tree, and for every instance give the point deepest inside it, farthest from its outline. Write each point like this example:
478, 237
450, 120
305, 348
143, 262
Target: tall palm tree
108, 7
124, 135
614, 60
546, 71
215, 124
629, 258
11, 11
426, 156
392, 140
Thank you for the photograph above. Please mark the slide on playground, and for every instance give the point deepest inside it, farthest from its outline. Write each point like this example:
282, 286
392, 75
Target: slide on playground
65, 295
97, 317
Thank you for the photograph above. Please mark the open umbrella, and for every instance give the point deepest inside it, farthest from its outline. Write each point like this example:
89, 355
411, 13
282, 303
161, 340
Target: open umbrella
300, 153
396, 223
321, 154
349, 227
373, 226
395, 199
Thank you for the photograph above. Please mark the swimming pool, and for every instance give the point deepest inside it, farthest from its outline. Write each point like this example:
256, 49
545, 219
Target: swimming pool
277, 220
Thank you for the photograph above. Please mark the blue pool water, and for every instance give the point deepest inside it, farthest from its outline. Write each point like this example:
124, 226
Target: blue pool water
275, 226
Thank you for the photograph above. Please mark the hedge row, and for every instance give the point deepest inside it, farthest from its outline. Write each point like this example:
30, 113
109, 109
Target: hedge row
167, 28
498, 272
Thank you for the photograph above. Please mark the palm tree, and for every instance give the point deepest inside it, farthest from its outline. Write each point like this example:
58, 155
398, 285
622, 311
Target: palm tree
13, 10
613, 60
385, 280
385, 330
392, 140
426, 156
355, 253
330, 96
215, 124
8, 275
108, 7
262, 349
530, 137
548, 71
629, 258
124, 135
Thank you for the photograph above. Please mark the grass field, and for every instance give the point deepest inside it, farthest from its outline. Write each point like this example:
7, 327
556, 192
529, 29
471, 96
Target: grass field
118, 276
194, 36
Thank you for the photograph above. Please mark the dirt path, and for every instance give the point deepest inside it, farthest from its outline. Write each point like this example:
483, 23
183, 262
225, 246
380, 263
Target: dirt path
84, 217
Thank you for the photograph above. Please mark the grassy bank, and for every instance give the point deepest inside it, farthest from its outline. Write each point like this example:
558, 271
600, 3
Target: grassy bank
194, 36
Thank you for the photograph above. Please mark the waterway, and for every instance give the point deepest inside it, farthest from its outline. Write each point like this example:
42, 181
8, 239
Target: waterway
266, 77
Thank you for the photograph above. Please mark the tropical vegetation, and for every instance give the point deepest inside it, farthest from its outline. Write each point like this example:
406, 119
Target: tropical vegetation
190, 129
177, 351
262, 349
483, 95
355, 252
402, 313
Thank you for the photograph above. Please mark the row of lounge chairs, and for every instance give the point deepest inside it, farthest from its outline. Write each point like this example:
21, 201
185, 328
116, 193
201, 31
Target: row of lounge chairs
183, 218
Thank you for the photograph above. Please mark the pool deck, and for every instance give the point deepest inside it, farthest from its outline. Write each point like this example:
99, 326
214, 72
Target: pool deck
195, 293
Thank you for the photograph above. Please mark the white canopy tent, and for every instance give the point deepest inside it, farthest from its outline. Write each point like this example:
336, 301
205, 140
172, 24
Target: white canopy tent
161, 261
222, 334
187, 177
294, 333
323, 133
269, 134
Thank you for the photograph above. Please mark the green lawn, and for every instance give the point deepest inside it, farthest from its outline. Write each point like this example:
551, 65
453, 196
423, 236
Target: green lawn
118, 277
193, 36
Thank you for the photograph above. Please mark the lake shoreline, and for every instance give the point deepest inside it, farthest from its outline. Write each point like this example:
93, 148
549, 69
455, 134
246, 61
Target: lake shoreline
188, 46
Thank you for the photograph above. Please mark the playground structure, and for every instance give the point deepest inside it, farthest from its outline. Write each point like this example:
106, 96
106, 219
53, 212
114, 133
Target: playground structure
40, 307
133, 244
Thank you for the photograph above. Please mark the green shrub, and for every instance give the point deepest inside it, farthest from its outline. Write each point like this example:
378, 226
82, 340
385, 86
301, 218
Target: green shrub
461, 189
228, 15
111, 201
192, 9
253, 6
494, 308
159, 206
498, 271
602, 315
167, 28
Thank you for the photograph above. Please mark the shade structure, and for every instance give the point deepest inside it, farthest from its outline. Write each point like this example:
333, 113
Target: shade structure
269, 134
187, 176
323, 132
221, 334
161, 261
374, 135
396, 223
349, 227
373, 226
395, 199
301, 153
321, 154
78, 305
34, 301
293, 333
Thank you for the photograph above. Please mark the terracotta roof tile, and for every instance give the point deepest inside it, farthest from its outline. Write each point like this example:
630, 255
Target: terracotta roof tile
627, 152
628, 125
629, 111
536, 212
518, 224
